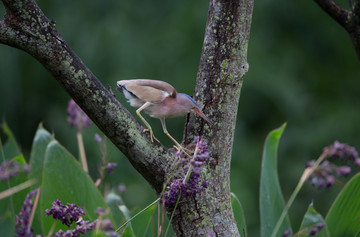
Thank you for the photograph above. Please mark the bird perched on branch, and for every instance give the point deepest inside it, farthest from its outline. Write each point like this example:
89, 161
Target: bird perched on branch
160, 100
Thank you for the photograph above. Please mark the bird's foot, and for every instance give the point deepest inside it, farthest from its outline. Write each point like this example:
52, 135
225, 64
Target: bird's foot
180, 149
152, 137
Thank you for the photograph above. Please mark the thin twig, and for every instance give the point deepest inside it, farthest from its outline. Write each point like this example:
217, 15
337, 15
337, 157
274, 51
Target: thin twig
36, 201
82, 151
17, 188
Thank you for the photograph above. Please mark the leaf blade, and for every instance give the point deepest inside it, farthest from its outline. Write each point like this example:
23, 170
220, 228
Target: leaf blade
343, 216
64, 179
271, 199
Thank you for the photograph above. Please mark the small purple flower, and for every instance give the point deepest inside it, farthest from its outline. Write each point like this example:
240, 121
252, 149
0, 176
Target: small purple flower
343, 171
122, 188
287, 233
76, 116
313, 231
66, 214
100, 211
110, 167
81, 228
357, 162
193, 184
9, 169
97, 138
22, 220
319, 226
105, 224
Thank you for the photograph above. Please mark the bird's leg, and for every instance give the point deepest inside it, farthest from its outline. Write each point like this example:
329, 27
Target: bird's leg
178, 146
148, 129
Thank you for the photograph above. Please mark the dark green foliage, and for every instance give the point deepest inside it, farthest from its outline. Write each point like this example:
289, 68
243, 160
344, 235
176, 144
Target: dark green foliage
303, 69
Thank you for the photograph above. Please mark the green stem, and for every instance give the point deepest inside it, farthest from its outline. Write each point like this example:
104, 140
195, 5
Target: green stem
172, 214
150, 205
306, 174
82, 151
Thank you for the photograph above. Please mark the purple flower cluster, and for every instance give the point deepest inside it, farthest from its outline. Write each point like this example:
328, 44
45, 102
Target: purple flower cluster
76, 116
23, 227
323, 176
66, 214
110, 167
315, 230
193, 185
342, 151
80, 229
11, 168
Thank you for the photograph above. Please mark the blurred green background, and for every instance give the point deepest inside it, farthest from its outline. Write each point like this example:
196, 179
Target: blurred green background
303, 71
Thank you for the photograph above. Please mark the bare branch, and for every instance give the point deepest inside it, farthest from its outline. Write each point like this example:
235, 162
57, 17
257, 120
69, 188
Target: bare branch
349, 19
335, 11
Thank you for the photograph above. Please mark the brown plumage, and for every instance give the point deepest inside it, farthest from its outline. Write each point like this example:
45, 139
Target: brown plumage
160, 100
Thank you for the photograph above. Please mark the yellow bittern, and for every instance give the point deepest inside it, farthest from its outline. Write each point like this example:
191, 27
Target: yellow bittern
160, 100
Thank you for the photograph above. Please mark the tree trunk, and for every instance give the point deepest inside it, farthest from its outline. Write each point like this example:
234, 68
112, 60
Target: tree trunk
222, 67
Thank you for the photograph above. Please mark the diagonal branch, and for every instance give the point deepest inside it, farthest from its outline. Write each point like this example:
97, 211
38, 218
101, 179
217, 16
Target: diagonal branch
335, 11
25, 27
349, 19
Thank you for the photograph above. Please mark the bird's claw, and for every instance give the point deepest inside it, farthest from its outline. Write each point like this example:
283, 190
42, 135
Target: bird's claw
152, 137
180, 148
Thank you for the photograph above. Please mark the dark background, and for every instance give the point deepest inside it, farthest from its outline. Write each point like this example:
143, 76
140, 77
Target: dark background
303, 71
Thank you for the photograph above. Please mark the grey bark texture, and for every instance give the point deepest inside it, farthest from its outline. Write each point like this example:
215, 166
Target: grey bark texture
219, 80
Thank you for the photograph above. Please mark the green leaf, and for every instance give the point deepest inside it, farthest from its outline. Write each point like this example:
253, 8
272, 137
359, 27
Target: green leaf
64, 179
10, 206
239, 215
310, 220
114, 201
343, 216
271, 200
37, 156
10, 148
144, 224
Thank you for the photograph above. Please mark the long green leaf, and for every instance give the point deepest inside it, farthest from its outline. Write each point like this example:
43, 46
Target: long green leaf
271, 199
11, 147
311, 219
239, 214
37, 156
64, 179
10, 206
343, 218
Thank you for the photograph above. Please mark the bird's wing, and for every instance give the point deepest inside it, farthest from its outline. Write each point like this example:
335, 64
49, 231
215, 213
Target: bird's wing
147, 93
161, 85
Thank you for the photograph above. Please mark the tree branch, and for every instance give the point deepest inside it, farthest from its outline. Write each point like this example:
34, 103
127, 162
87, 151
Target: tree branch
24, 26
222, 67
334, 10
349, 19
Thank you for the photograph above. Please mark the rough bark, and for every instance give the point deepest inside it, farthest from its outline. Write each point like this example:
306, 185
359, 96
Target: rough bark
349, 19
24, 26
222, 66
219, 81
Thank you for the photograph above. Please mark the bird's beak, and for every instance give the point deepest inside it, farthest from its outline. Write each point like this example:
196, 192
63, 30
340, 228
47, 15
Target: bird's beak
201, 114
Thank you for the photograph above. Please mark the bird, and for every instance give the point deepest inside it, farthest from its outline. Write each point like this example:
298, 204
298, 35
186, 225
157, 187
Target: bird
160, 100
